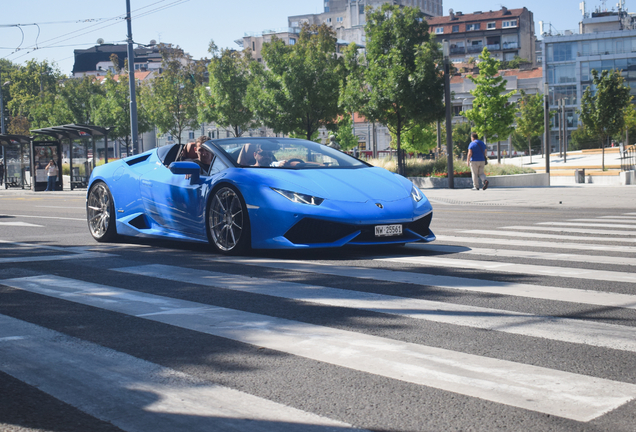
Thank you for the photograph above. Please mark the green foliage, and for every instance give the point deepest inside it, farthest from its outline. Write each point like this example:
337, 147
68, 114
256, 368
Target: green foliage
491, 114
113, 108
515, 63
439, 168
603, 112
298, 91
344, 133
520, 143
226, 102
32, 93
581, 139
419, 139
530, 123
461, 138
80, 97
171, 100
399, 82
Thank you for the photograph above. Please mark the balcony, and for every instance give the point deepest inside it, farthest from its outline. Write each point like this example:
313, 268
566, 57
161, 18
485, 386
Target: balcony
457, 50
510, 45
493, 47
475, 48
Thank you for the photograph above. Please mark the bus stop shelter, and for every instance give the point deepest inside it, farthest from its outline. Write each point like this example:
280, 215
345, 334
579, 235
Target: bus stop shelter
16, 152
83, 147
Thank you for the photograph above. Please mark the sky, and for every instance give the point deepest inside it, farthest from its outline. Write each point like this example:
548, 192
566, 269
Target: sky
48, 30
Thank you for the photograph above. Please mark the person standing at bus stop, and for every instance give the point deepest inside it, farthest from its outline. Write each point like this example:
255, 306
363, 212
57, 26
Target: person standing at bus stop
477, 154
51, 174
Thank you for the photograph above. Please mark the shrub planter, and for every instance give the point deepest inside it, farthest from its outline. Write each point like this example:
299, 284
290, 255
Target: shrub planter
516, 180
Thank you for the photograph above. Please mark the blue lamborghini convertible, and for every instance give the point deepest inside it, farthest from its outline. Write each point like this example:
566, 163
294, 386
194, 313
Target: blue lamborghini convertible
261, 193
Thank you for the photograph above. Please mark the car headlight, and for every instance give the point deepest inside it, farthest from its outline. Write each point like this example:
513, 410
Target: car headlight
299, 197
416, 194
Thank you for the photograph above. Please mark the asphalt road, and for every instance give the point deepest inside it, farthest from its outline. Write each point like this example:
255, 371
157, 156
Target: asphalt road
520, 317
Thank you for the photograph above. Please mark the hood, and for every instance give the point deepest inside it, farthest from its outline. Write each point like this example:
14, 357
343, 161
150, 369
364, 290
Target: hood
353, 185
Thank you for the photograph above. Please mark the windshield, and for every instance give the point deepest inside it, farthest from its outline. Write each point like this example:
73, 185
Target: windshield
285, 153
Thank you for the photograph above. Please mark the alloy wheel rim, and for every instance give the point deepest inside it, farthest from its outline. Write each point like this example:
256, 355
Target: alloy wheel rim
226, 219
99, 211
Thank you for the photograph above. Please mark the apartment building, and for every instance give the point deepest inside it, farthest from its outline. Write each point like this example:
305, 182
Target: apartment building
506, 33
96, 60
346, 17
607, 41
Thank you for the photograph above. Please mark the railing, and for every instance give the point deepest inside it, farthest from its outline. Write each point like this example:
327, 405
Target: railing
510, 45
475, 48
628, 158
493, 47
457, 50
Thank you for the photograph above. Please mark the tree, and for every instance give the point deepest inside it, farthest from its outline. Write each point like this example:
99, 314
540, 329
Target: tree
226, 103
530, 123
114, 106
171, 99
603, 111
399, 82
344, 133
298, 91
418, 139
81, 98
33, 91
491, 114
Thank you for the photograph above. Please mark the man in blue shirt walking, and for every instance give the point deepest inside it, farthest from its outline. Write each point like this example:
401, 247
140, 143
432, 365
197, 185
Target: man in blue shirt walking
477, 154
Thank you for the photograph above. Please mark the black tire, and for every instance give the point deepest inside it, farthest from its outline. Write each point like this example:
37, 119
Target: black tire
227, 221
100, 213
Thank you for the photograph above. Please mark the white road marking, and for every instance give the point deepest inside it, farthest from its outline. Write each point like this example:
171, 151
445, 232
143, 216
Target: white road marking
626, 235
583, 224
573, 396
497, 266
607, 219
590, 297
539, 244
618, 217
136, 395
45, 217
21, 224
86, 255
509, 253
547, 327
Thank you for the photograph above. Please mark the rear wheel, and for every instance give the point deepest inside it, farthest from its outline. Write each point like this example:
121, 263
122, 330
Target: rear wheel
228, 221
100, 213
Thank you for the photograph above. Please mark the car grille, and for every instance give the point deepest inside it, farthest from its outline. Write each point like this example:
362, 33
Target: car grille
313, 231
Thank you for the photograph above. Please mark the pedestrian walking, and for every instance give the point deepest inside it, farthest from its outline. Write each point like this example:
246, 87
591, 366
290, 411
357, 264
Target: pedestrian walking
477, 157
51, 174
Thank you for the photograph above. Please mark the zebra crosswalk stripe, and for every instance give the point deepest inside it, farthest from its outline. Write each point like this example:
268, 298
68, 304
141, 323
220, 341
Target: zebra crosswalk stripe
560, 329
96, 379
590, 297
538, 244
626, 236
564, 394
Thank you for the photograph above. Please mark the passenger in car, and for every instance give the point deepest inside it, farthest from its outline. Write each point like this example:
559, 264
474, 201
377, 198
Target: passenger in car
204, 159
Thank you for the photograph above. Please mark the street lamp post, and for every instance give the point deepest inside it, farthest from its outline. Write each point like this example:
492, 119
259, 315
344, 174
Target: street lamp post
546, 127
2, 132
447, 103
131, 82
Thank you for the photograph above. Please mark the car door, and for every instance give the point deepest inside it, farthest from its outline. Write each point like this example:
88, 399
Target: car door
175, 203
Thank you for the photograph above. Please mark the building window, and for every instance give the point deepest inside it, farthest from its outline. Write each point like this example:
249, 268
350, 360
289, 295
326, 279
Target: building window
292, 41
511, 23
564, 51
472, 27
253, 46
328, 20
491, 25
339, 19
455, 29
561, 74
457, 110
361, 9
439, 30
191, 135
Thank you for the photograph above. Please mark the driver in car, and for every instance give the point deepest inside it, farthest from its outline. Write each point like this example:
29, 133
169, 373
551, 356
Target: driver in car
263, 158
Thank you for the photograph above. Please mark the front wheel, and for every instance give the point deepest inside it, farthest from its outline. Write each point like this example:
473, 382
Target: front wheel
228, 221
100, 213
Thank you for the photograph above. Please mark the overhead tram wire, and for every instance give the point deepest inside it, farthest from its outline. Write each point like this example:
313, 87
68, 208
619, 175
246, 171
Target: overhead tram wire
85, 31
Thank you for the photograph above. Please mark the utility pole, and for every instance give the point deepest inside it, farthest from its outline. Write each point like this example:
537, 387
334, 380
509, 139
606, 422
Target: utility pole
546, 126
449, 126
131, 82
2, 132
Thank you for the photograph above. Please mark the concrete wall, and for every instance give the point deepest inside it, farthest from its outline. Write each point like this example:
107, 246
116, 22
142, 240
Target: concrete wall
519, 180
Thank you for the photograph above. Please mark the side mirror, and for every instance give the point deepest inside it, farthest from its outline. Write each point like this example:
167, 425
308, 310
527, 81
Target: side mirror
187, 168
